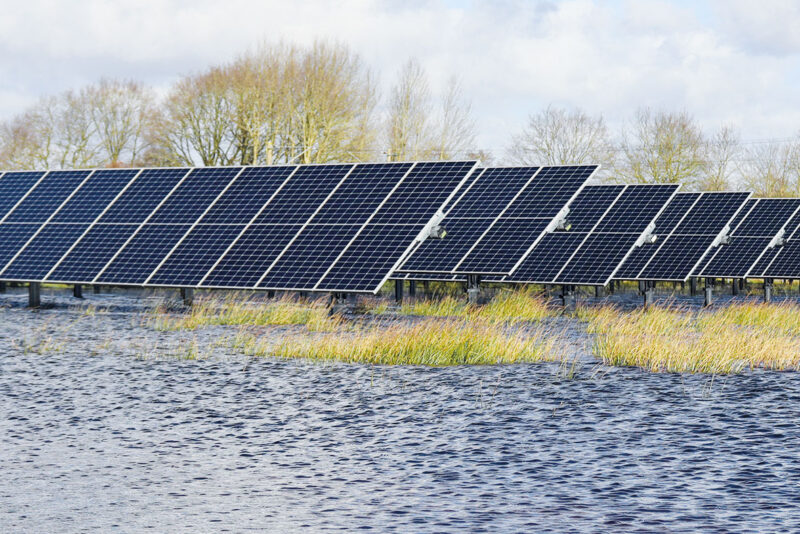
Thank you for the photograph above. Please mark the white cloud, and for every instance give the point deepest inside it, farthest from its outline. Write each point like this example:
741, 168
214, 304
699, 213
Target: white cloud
514, 57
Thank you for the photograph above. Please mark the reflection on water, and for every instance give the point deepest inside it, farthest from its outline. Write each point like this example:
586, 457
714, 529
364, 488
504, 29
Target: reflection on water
111, 441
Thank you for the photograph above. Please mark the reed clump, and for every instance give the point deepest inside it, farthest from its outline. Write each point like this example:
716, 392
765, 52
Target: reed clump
514, 307
505, 307
669, 340
782, 317
315, 315
431, 343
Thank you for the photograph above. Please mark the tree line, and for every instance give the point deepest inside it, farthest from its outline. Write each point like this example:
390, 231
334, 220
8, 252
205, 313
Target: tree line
286, 103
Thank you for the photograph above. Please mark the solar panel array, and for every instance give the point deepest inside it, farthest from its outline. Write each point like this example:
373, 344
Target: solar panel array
690, 226
607, 223
759, 228
308, 227
350, 227
782, 261
496, 222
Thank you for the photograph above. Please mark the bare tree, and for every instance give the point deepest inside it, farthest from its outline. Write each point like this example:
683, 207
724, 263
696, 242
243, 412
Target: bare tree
416, 128
334, 100
558, 136
722, 151
772, 169
409, 130
661, 147
456, 128
197, 124
121, 113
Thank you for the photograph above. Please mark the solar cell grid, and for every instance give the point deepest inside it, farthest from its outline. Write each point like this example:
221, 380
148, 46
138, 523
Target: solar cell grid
194, 195
197, 252
368, 261
635, 209
13, 237
611, 221
711, 213
359, 196
14, 186
247, 195
767, 217
597, 259
244, 263
94, 195
492, 192
91, 253
550, 191
142, 254
590, 205
441, 255
426, 188
311, 253
42, 252
303, 194
735, 259
146, 192
503, 246
46, 197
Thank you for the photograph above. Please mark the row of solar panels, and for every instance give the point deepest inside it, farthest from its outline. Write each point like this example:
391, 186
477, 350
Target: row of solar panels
350, 227
634, 232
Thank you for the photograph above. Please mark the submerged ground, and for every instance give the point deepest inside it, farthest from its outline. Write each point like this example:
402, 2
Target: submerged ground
111, 421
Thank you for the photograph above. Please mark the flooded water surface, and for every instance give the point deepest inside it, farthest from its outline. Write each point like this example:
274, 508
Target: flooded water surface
104, 439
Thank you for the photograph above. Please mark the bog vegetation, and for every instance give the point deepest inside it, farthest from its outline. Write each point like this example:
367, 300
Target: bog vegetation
514, 326
282, 103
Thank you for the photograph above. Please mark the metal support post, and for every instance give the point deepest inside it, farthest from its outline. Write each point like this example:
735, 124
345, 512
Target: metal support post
693, 286
735, 286
187, 295
708, 292
568, 297
77, 291
611, 286
473, 288
767, 289
34, 295
398, 291
2, 287
426, 288
599, 291
648, 293
96, 289
271, 294
412, 288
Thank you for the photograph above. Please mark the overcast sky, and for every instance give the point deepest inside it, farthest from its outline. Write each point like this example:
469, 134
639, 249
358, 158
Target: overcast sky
725, 61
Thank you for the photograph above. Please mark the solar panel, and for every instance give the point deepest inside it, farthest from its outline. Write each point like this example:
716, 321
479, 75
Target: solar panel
243, 264
497, 221
144, 195
91, 253
43, 251
46, 196
316, 227
781, 261
677, 255
533, 210
753, 233
607, 223
14, 185
664, 225
470, 217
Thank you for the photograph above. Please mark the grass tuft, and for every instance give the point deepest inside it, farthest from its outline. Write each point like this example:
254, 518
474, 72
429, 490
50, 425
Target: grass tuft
670, 340
431, 342
239, 310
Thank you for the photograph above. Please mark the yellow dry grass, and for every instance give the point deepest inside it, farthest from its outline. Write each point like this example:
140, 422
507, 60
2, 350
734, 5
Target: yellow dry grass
431, 342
